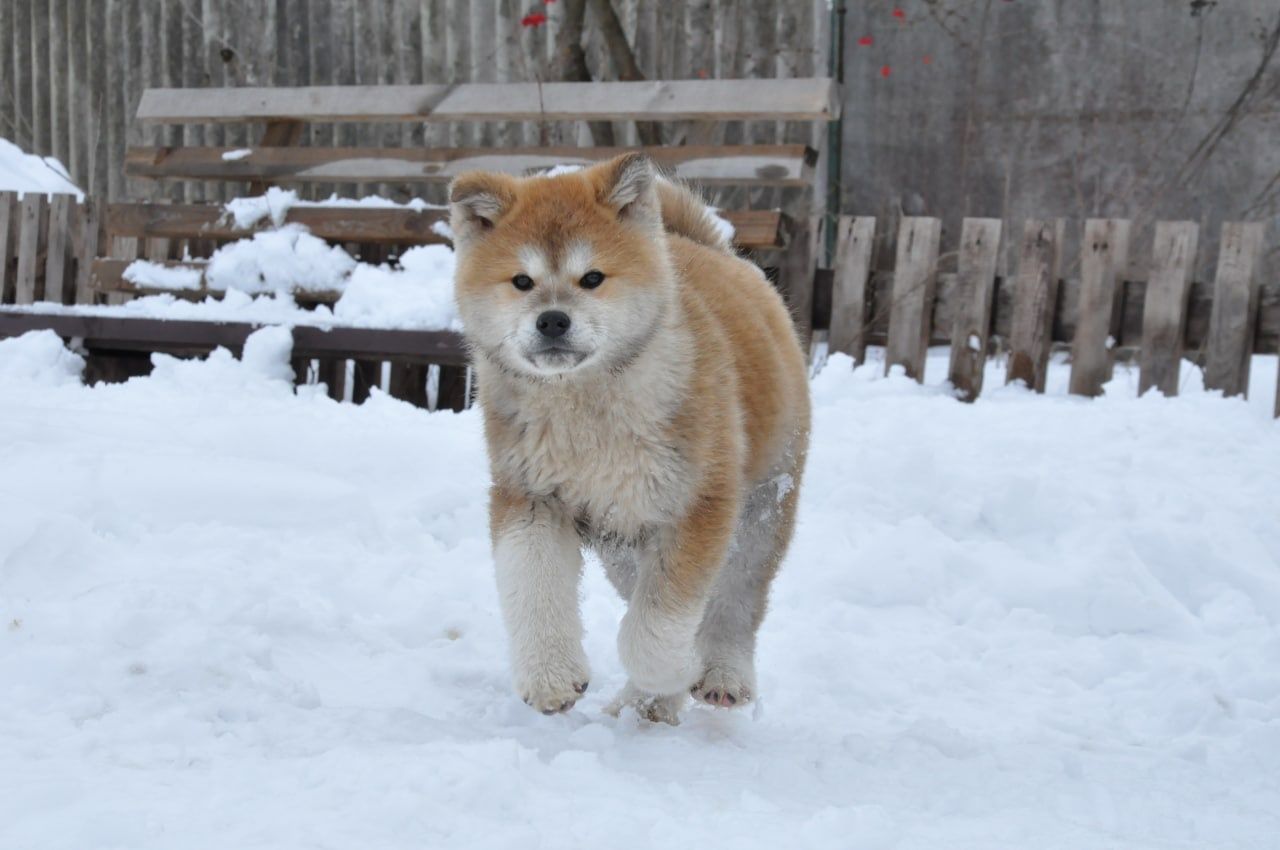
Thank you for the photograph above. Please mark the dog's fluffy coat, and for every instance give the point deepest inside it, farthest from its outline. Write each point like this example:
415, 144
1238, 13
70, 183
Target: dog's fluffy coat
666, 429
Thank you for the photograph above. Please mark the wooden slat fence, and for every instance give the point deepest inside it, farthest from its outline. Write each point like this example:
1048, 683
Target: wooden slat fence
1095, 316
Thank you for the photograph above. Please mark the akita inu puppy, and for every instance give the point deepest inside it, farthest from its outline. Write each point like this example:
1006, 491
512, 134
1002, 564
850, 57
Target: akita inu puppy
644, 394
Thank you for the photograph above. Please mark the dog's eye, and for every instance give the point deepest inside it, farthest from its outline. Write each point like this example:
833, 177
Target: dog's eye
522, 282
591, 280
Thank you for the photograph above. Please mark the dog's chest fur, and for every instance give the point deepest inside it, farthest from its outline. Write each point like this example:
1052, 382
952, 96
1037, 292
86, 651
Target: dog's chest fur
606, 459
606, 449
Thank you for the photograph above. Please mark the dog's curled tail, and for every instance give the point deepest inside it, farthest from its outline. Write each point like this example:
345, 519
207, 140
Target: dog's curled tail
684, 214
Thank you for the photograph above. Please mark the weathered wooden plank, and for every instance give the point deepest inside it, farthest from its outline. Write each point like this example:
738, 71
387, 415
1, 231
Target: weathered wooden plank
59, 87
774, 165
1235, 307
40, 117
9, 217
341, 224
33, 213
1104, 254
914, 281
1035, 299
80, 136
796, 276
855, 247
975, 286
752, 228
58, 247
87, 251
813, 99
1165, 306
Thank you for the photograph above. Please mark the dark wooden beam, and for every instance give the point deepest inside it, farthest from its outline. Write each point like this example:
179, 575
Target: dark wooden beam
112, 333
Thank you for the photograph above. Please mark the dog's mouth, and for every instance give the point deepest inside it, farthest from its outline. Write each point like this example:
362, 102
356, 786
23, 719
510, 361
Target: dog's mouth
555, 356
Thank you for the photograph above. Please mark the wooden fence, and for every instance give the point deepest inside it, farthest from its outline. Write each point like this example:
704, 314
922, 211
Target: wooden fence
72, 71
47, 245
1098, 314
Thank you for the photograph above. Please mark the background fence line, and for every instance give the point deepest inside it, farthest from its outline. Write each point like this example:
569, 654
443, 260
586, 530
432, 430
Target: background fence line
72, 71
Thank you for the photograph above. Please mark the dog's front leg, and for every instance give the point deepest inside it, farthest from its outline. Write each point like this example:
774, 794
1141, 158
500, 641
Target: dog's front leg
539, 565
657, 641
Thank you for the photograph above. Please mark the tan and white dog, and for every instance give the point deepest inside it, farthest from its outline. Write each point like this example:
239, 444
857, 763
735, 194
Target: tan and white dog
644, 394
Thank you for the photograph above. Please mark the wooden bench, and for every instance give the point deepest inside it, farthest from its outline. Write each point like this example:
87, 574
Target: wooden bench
186, 234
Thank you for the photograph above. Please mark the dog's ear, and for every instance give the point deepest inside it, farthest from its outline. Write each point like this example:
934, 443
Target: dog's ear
477, 200
628, 184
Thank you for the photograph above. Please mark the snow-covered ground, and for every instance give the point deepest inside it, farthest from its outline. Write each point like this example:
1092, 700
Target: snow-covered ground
232, 617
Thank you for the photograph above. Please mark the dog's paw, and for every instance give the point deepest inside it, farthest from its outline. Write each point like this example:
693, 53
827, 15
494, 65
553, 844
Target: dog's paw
724, 686
553, 688
660, 657
655, 709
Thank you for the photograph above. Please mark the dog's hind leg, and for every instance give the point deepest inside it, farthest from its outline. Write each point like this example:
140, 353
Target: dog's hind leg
727, 635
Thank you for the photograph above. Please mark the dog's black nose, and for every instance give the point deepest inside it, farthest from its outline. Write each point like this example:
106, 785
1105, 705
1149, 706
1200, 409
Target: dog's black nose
553, 323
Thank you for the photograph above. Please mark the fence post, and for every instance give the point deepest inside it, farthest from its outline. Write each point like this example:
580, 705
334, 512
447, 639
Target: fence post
975, 287
29, 246
1235, 309
799, 261
1104, 254
55, 264
1164, 308
86, 251
1034, 298
8, 240
915, 280
855, 240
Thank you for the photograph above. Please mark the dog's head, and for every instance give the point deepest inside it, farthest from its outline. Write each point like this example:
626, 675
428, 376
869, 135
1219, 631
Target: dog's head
562, 274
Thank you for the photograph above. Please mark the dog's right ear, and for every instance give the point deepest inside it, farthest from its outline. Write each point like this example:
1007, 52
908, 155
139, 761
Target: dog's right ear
477, 200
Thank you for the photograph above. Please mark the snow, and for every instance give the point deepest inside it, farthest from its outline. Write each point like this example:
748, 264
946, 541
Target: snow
279, 261
722, 225
23, 172
275, 204
159, 276
257, 278
232, 616
39, 356
419, 293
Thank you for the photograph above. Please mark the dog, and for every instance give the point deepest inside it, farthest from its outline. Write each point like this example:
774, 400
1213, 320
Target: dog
644, 395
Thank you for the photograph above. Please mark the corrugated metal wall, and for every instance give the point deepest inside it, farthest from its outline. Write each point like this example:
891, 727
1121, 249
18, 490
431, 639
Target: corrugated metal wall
71, 71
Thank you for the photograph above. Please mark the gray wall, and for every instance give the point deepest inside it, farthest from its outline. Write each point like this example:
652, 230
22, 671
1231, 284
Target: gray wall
1077, 108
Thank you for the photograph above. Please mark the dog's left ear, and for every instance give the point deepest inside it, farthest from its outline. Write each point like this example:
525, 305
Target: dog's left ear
477, 200
629, 187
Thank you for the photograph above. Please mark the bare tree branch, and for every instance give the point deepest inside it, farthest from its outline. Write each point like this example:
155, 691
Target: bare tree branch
570, 62
624, 59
